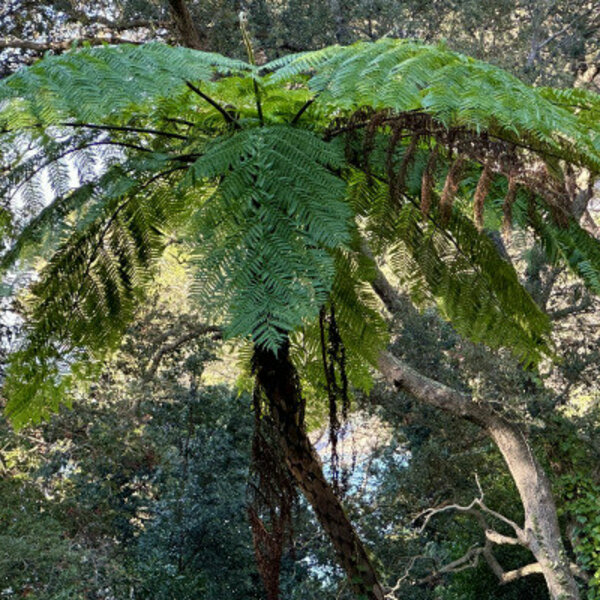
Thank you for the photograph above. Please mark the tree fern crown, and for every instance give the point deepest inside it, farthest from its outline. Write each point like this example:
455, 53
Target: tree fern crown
272, 179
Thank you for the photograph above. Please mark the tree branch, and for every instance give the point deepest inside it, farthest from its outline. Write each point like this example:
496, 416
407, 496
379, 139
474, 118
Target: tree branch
196, 332
62, 45
466, 561
189, 34
509, 576
116, 25
491, 535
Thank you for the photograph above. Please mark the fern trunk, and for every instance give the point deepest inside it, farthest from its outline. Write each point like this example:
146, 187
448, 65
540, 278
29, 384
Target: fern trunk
277, 378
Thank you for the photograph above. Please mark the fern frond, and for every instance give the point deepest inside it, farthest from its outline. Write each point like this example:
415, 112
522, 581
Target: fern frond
571, 245
268, 231
474, 288
458, 91
88, 292
94, 83
451, 263
362, 329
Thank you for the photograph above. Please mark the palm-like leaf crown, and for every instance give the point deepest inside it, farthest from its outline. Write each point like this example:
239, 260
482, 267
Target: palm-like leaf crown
273, 176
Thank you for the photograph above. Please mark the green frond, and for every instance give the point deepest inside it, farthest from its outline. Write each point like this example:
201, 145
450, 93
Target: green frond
94, 83
267, 233
455, 266
88, 292
572, 246
473, 286
268, 212
458, 91
362, 329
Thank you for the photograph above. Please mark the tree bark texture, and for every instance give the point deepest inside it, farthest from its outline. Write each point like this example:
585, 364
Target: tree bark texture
540, 532
188, 33
278, 381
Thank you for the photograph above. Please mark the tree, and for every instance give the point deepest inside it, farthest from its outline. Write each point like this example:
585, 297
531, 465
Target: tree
553, 42
283, 181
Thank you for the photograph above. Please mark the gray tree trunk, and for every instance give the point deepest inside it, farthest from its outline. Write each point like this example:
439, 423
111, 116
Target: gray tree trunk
540, 532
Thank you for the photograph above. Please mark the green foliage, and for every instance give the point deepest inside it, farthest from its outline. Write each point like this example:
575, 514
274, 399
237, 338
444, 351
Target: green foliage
572, 246
267, 233
88, 292
455, 89
141, 490
474, 288
582, 495
361, 328
38, 558
458, 268
248, 170
92, 83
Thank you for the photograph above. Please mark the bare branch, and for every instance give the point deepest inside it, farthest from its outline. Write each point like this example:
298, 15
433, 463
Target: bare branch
62, 45
499, 538
473, 508
529, 569
196, 332
467, 561
116, 25
390, 593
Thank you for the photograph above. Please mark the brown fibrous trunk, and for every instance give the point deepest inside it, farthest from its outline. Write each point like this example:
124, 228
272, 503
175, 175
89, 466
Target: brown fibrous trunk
278, 381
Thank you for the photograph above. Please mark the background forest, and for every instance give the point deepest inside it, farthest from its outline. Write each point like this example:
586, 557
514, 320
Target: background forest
139, 487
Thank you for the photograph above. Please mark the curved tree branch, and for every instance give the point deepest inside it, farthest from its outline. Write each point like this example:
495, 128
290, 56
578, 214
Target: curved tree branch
63, 44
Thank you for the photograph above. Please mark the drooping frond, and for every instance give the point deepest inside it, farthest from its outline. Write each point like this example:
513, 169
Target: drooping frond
87, 293
267, 233
459, 268
360, 327
458, 91
476, 290
570, 245
74, 209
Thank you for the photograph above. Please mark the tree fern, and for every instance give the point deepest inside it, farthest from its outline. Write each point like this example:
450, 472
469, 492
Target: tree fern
269, 175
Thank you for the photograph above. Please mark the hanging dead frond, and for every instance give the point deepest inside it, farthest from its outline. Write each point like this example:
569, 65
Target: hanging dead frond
509, 200
481, 192
450, 188
375, 122
268, 547
400, 178
427, 183
333, 354
390, 163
